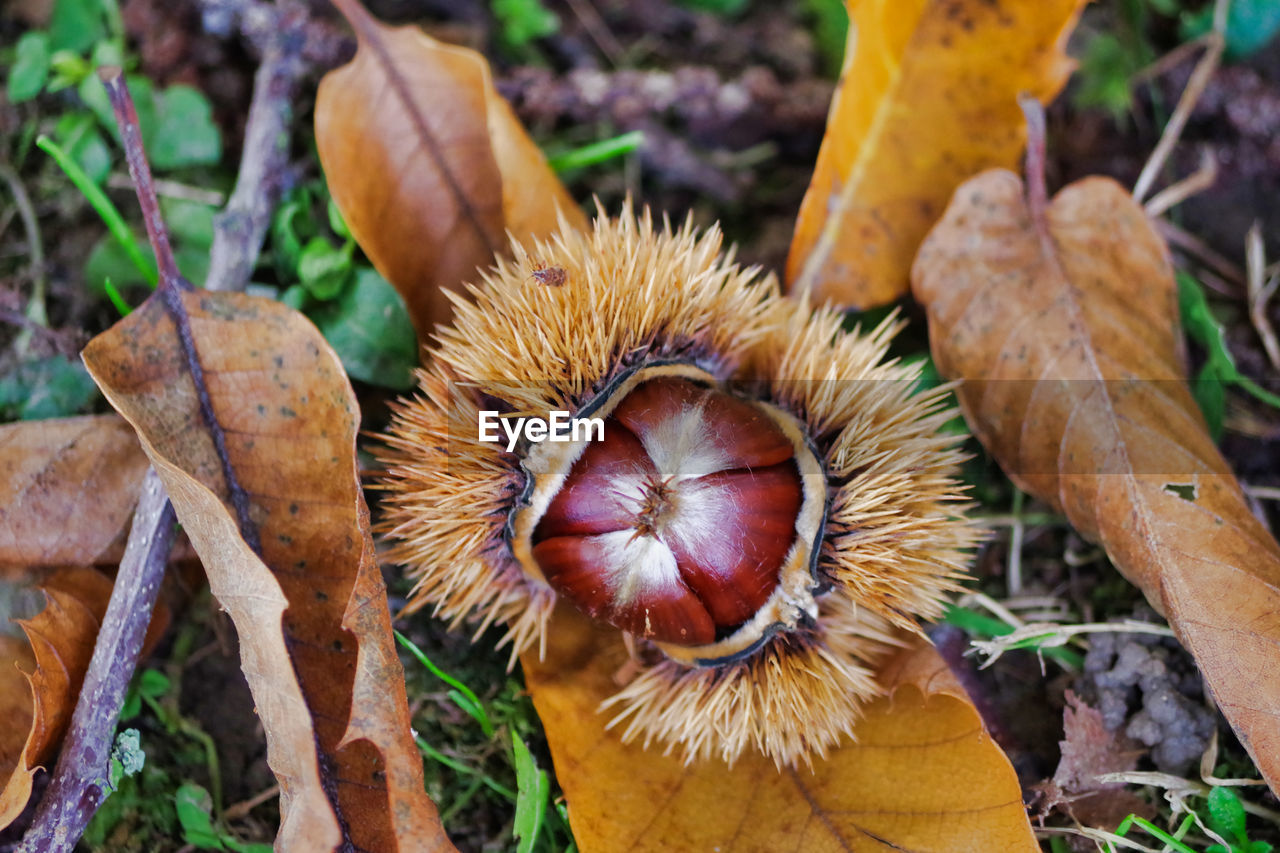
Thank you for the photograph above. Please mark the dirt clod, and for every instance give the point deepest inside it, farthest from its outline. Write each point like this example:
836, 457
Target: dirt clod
1149, 688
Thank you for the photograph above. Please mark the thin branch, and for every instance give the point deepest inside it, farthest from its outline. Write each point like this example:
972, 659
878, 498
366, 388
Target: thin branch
240, 228
1182, 113
171, 189
1170, 60
140, 171
1201, 251
1197, 182
79, 783
170, 289
1261, 290
598, 30
36, 312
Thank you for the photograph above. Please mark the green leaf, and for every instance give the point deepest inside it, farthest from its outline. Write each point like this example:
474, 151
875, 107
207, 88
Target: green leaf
67, 69
336, 223
533, 790
241, 847
81, 139
154, 683
189, 221
76, 24
1226, 814
461, 694
1251, 25
295, 296
368, 325
185, 134
108, 259
193, 805
324, 268
1210, 392
53, 387
524, 21
106, 53
30, 67
1105, 69
830, 31
1204, 329
291, 228
596, 152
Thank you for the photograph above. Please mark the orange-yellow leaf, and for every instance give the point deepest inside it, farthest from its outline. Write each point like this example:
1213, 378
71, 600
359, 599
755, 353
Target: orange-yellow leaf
1065, 329
428, 164
67, 490
927, 98
40, 678
924, 774
299, 576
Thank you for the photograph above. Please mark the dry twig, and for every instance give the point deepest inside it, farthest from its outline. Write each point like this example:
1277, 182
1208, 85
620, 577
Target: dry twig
1204, 69
1261, 289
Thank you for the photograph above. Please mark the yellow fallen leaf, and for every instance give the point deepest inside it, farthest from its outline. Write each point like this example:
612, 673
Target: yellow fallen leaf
924, 775
927, 98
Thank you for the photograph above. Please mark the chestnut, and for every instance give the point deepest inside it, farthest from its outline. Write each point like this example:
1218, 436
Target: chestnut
769, 499
680, 525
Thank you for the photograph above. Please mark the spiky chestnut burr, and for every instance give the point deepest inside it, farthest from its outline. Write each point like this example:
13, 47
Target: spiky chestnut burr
769, 500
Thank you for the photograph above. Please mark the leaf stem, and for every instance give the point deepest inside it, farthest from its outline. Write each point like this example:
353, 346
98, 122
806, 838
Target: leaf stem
140, 170
1037, 193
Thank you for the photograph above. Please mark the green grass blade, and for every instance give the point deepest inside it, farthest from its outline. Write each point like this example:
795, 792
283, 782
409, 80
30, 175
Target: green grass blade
472, 705
116, 298
597, 152
99, 201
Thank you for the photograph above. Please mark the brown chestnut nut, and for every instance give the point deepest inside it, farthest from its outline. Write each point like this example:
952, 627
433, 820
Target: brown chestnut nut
680, 524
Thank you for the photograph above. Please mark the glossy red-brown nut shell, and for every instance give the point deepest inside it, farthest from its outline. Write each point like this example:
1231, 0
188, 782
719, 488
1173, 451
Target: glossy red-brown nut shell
676, 525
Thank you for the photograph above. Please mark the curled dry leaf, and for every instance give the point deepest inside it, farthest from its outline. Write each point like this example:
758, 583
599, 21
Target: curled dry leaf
40, 679
67, 490
928, 97
923, 774
270, 496
1089, 752
1064, 326
428, 163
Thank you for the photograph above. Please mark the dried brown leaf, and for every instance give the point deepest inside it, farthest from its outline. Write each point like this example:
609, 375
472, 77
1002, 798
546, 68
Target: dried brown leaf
923, 775
40, 678
1089, 751
1065, 329
428, 164
67, 490
278, 518
928, 97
